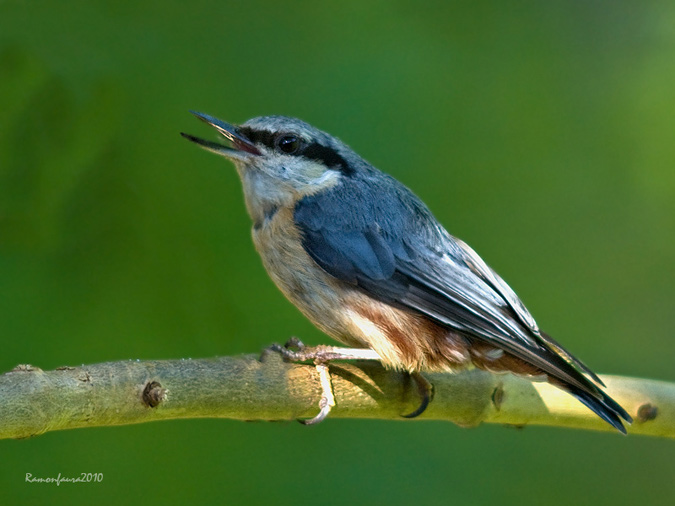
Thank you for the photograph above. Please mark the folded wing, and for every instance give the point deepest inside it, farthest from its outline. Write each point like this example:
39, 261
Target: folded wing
388, 250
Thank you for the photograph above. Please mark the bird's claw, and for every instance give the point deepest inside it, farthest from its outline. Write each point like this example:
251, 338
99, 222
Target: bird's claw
426, 390
295, 351
327, 398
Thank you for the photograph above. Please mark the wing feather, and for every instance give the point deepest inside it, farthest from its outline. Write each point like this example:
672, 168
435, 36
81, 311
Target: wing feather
388, 250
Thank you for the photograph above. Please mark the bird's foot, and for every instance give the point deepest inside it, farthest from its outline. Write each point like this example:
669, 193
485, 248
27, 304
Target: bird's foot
327, 397
295, 351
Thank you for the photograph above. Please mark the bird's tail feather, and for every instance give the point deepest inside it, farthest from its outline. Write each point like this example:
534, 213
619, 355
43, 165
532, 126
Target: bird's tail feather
603, 406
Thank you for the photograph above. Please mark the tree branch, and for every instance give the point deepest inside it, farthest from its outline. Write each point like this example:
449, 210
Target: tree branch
33, 401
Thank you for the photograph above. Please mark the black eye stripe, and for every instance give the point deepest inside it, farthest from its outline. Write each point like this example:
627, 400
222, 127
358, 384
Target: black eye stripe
258, 136
314, 151
328, 156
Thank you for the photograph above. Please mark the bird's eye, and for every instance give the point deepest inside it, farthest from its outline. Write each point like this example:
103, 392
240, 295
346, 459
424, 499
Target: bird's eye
288, 143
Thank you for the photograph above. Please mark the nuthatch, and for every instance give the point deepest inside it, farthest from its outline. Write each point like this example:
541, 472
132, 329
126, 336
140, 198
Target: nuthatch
365, 260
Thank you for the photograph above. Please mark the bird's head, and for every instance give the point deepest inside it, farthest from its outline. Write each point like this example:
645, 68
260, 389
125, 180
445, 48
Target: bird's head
280, 160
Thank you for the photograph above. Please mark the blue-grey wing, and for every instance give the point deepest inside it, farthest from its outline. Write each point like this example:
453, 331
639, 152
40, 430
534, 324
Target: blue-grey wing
392, 248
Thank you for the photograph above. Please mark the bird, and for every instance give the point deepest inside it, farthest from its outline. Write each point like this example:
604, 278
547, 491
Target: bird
365, 260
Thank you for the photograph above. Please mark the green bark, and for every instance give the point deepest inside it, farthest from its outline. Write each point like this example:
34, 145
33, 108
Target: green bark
33, 401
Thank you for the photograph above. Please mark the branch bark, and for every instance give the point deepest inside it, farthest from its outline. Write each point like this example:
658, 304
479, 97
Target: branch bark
33, 401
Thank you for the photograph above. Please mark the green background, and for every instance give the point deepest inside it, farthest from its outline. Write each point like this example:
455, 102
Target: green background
539, 132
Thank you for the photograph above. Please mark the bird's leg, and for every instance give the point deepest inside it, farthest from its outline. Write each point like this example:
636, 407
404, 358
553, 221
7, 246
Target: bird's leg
426, 390
322, 353
294, 350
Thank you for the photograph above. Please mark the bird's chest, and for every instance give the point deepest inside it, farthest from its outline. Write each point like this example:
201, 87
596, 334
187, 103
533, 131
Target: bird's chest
302, 281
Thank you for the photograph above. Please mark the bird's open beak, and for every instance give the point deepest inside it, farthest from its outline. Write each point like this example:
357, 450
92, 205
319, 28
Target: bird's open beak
242, 148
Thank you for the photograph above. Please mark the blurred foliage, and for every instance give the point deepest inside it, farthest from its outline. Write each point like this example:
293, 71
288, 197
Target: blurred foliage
540, 133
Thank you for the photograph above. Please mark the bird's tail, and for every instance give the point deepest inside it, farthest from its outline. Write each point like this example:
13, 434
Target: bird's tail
601, 404
561, 369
